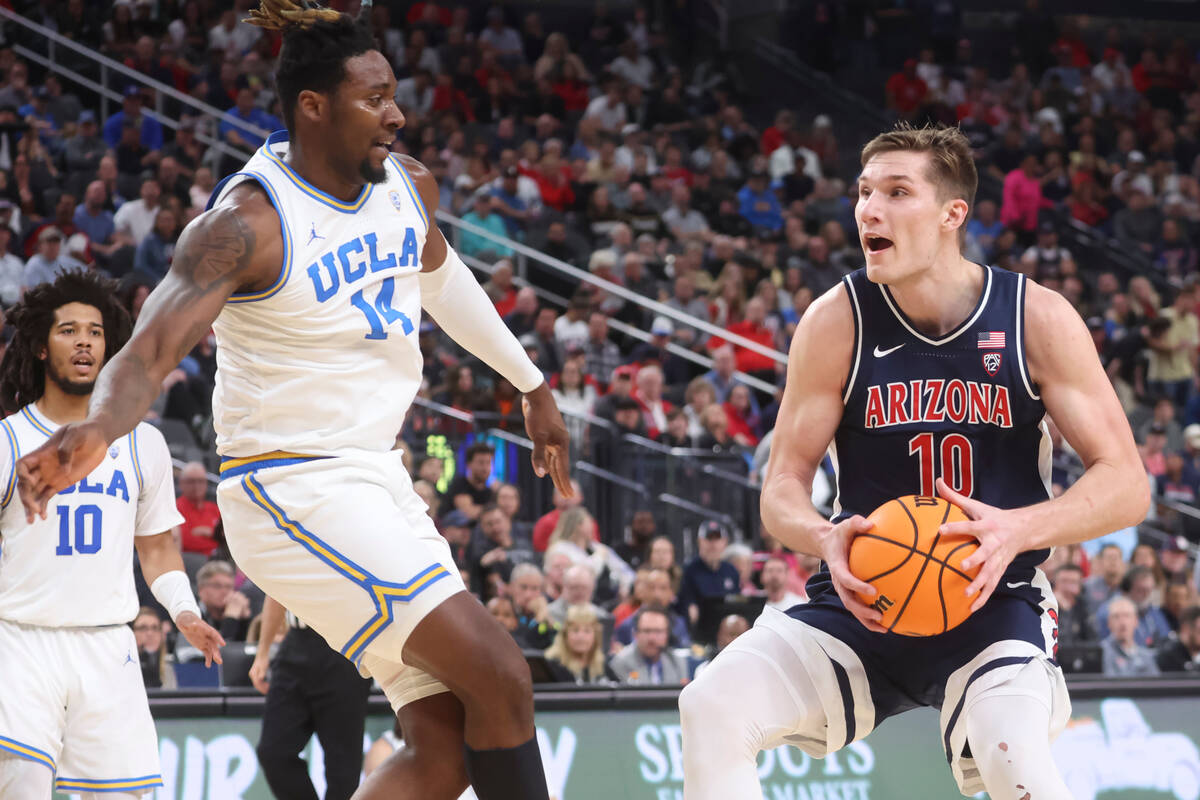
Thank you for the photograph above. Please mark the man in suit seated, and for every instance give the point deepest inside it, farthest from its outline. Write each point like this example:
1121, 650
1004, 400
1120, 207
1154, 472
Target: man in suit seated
648, 662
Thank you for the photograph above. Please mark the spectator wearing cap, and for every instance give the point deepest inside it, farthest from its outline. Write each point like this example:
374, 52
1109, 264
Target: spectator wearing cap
905, 90
1134, 176
245, 113
63, 219
758, 205
49, 261
507, 201
707, 575
136, 218
82, 152
1046, 259
150, 130
12, 270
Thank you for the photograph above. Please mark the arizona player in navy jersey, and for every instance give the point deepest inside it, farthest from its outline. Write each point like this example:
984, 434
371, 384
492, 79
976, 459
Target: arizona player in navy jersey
922, 373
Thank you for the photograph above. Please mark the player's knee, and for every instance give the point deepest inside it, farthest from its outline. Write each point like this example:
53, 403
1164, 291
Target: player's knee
703, 705
503, 684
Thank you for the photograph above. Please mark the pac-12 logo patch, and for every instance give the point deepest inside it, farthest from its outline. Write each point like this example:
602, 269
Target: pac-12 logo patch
113, 451
394, 196
991, 362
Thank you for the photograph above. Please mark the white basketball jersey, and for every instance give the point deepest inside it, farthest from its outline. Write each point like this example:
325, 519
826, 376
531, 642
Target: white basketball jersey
75, 567
325, 361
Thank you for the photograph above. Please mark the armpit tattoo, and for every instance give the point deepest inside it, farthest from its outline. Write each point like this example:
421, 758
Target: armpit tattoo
216, 251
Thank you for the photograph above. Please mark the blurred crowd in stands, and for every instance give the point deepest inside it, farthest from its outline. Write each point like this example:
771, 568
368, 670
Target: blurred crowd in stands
611, 143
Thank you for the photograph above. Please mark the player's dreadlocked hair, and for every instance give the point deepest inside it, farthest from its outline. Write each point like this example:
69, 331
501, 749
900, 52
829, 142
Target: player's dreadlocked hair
22, 372
316, 43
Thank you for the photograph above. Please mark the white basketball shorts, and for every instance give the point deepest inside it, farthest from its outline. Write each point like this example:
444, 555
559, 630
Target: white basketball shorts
346, 545
73, 700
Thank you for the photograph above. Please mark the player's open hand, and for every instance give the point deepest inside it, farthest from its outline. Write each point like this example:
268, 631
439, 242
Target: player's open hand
70, 454
999, 541
551, 443
201, 636
835, 551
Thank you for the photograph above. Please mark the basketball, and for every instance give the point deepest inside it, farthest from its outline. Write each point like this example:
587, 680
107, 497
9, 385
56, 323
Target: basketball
916, 570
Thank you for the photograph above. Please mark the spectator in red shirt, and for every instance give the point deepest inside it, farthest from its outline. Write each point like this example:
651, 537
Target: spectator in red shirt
775, 135
906, 91
200, 515
754, 328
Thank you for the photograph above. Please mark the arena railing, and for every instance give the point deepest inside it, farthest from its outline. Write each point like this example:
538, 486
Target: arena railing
624, 328
523, 254
683, 486
107, 68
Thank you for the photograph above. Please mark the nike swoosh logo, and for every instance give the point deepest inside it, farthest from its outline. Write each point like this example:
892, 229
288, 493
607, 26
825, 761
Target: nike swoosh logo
1017, 585
881, 353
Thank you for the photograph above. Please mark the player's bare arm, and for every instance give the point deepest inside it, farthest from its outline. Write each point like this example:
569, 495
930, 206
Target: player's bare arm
233, 248
273, 624
819, 363
159, 555
1112, 493
543, 422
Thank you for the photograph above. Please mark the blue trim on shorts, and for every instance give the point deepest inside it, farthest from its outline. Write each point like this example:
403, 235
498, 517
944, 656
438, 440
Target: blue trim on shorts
979, 673
27, 752
234, 472
111, 785
383, 593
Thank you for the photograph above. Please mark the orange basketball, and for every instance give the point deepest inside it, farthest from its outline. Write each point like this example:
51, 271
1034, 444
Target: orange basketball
917, 572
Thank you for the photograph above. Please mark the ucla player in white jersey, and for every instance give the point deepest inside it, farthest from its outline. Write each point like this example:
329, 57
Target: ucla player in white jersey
73, 712
313, 266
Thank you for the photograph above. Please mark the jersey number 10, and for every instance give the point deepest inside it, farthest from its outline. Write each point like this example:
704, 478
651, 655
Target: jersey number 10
956, 462
86, 530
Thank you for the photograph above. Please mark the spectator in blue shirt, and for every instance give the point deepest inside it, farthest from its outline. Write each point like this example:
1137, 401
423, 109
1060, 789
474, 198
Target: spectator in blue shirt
758, 204
153, 256
96, 221
37, 112
509, 204
485, 217
152, 130
246, 111
984, 227
707, 575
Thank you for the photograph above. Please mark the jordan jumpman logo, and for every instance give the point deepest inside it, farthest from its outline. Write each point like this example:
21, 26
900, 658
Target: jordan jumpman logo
314, 235
128, 658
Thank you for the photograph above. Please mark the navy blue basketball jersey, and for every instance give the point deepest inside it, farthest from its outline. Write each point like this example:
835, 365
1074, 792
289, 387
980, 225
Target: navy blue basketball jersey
959, 406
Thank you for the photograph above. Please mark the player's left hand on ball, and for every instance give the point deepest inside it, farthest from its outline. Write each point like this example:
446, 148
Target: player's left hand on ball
551, 443
201, 636
999, 541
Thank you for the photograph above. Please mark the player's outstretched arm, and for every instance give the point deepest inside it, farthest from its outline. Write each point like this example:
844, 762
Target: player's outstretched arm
452, 296
162, 567
1113, 492
236, 247
819, 363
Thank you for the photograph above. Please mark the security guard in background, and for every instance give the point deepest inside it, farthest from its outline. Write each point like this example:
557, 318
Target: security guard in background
312, 689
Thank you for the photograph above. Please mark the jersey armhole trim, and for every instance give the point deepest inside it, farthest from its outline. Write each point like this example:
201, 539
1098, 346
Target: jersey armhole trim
418, 203
1019, 327
286, 269
853, 376
137, 462
16, 454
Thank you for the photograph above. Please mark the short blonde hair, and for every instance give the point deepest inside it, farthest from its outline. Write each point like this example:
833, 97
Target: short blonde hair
951, 166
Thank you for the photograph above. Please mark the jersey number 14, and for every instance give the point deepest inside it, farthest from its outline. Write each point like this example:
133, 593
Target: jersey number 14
83, 526
381, 313
953, 456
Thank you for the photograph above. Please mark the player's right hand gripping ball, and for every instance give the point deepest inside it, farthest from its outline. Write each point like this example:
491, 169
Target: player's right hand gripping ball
917, 572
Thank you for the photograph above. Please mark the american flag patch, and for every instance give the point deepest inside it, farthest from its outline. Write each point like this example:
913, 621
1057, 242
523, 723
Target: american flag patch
992, 340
